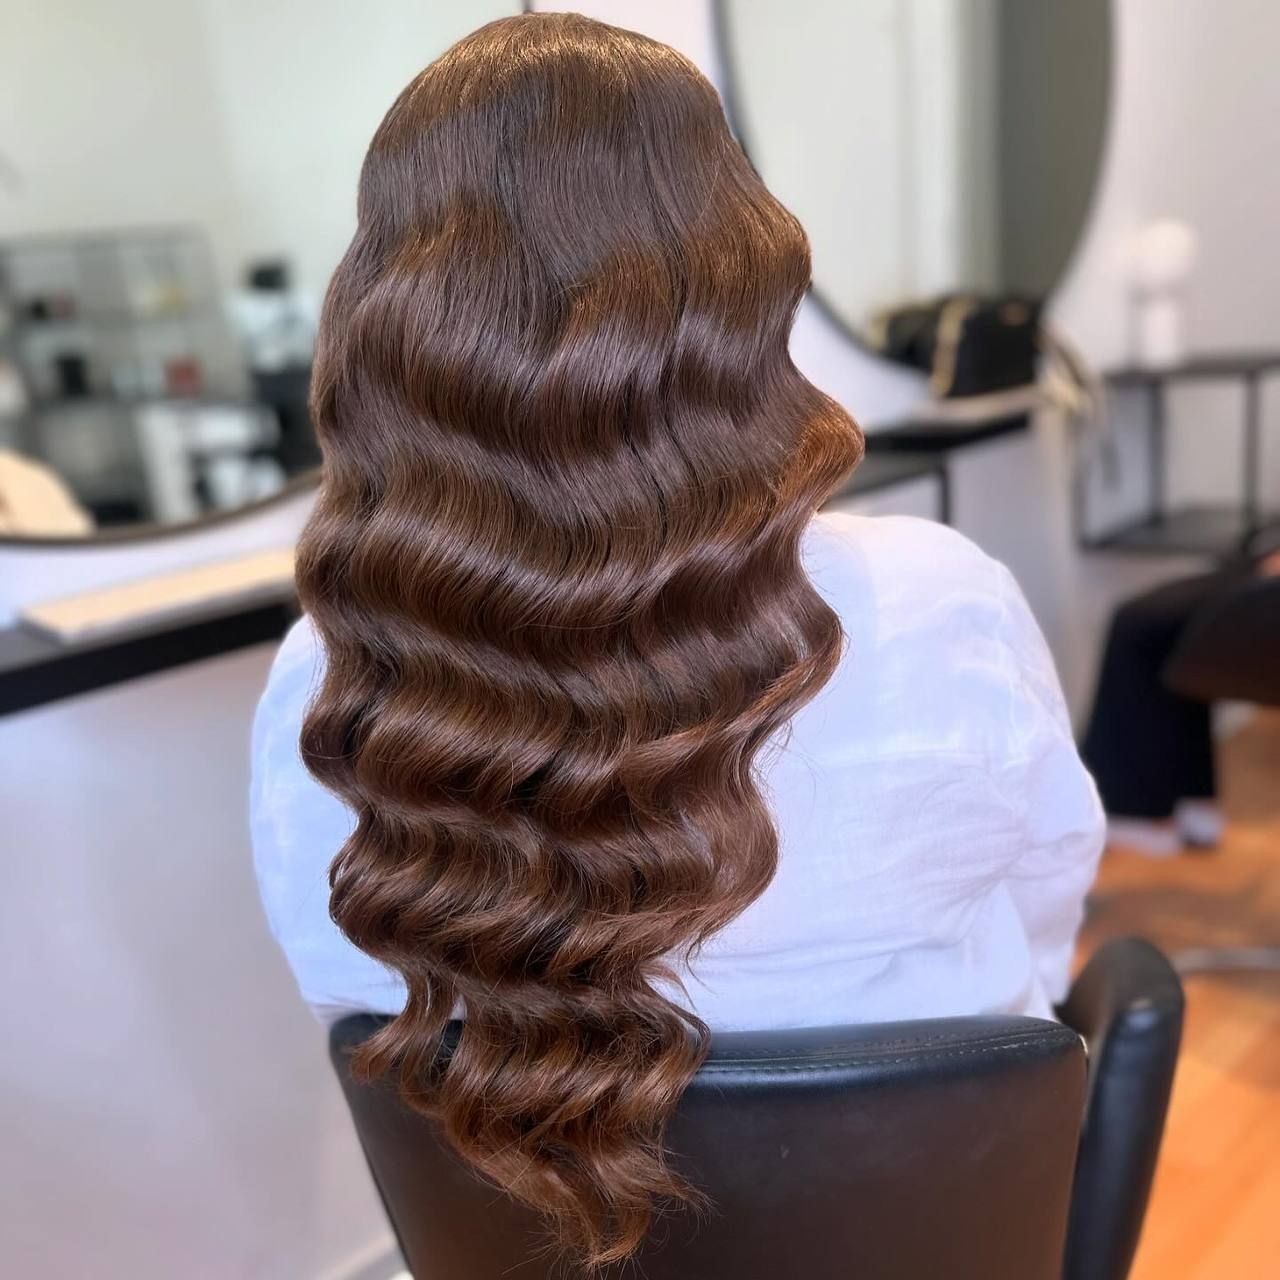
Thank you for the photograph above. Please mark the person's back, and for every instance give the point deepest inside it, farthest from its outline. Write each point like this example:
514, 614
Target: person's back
937, 830
622, 743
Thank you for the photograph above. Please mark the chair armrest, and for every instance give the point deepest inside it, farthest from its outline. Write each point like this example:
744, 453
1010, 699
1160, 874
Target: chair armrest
1127, 1005
1263, 541
1228, 648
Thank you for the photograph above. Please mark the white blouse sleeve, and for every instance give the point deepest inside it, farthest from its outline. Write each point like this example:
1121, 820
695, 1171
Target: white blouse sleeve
297, 828
1044, 781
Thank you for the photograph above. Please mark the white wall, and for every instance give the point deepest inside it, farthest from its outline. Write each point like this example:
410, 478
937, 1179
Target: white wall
169, 1109
300, 86
1193, 137
108, 118
1194, 96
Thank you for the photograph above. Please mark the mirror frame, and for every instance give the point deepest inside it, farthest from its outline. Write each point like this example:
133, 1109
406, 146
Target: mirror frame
729, 95
114, 535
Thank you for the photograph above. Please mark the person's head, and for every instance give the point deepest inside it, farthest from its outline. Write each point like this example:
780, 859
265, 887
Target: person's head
555, 569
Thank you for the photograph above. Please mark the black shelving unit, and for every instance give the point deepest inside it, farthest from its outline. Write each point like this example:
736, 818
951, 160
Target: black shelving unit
1205, 529
930, 435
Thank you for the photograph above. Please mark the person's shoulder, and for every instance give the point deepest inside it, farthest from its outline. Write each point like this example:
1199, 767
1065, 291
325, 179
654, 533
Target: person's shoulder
899, 560
926, 610
295, 672
300, 643
299, 654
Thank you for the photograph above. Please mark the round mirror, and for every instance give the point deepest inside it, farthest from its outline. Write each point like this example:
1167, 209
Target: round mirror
928, 146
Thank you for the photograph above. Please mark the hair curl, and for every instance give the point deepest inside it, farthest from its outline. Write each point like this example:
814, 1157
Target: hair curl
555, 571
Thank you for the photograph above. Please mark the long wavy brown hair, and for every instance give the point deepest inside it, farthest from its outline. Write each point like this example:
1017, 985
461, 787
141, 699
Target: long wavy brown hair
555, 569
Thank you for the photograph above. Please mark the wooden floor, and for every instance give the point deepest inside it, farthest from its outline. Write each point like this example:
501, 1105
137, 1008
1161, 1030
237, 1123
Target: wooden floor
1215, 1211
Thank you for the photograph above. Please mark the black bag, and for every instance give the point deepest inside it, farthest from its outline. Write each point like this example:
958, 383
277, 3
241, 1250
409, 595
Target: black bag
968, 346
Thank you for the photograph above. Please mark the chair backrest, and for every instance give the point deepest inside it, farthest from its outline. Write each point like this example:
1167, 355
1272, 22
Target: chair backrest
889, 1152
1127, 1003
1229, 648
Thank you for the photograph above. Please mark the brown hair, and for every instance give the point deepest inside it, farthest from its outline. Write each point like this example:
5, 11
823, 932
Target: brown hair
555, 570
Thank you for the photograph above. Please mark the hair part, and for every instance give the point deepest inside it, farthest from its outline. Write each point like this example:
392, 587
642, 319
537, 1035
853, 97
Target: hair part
555, 568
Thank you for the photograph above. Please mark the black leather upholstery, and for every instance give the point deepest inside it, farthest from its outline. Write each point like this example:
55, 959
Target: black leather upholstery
906, 1151
1127, 1003
1229, 649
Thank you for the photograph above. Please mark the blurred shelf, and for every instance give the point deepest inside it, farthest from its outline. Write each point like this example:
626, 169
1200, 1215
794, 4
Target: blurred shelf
1210, 365
108, 400
1194, 530
115, 304
934, 435
1201, 529
57, 241
119, 317
879, 471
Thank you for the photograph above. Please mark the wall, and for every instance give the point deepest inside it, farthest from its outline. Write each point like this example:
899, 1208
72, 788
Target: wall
1195, 87
1191, 137
169, 1109
300, 86
108, 118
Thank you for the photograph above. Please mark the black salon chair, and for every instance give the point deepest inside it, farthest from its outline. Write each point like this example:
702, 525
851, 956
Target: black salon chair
1231, 651
1230, 648
935, 1150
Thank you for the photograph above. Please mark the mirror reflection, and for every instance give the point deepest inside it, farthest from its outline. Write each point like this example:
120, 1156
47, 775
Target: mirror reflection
133, 389
928, 146
168, 223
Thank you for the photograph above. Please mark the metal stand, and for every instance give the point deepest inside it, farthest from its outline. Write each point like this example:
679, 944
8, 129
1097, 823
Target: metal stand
1227, 960
1221, 531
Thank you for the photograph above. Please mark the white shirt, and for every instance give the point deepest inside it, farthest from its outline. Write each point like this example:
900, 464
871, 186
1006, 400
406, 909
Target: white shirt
938, 831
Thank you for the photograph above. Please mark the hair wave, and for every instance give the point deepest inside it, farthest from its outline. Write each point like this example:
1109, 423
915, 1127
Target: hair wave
555, 570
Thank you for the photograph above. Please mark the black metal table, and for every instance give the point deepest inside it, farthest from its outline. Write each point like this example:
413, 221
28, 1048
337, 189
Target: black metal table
1216, 530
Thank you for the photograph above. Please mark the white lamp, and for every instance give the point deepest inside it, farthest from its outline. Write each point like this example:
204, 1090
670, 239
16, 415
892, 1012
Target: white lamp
1161, 257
